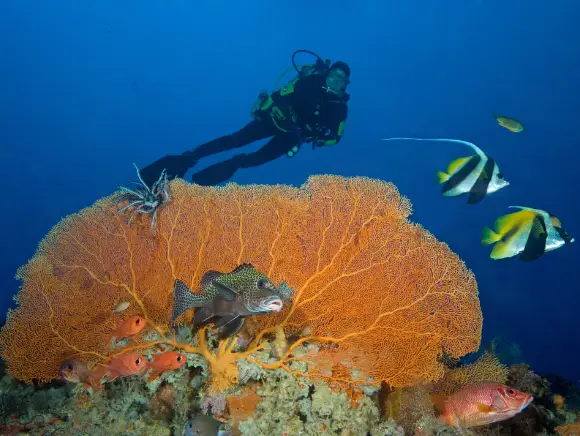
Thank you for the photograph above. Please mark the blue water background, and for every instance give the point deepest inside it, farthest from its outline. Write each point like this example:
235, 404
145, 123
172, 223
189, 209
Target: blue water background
88, 87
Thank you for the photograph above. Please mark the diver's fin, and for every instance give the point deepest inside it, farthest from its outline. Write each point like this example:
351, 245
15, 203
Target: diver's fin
457, 163
185, 299
225, 291
488, 236
175, 166
202, 315
442, 177
231, 328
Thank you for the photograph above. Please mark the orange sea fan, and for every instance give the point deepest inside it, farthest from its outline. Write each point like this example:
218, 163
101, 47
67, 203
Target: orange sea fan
365, 278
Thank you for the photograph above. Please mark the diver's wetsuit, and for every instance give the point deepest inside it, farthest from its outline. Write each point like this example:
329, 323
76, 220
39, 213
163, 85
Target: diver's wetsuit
302, 111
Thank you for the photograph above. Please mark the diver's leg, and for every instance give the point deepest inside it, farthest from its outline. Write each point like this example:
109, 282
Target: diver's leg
220, 172
251, 132
177, 165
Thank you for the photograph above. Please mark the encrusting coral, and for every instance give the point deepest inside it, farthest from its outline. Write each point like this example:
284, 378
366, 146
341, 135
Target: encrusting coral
369, 286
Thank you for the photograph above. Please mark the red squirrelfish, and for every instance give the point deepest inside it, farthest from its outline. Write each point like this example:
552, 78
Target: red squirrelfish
130, 327
170, 360
482, 404
125, 365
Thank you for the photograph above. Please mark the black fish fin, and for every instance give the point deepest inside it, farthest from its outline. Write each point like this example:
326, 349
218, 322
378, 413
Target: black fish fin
225, 291
231, 328
475, 197
536, 243
243, 266
224, 320
202, 315
184, 299
208, 279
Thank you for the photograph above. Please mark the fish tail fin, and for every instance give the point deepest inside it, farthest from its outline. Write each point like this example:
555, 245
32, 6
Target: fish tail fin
488, 236
442, 177
185, 299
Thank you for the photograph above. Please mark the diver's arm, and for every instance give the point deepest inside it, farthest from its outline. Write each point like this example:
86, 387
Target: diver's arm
336, 133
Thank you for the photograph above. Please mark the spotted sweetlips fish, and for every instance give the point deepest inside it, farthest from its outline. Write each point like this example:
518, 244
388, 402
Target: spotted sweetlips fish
230, 297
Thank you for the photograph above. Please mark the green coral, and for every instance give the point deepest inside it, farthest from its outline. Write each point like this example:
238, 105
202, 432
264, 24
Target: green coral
298, 406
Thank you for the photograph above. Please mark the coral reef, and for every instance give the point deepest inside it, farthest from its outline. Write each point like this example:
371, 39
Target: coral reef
376, 290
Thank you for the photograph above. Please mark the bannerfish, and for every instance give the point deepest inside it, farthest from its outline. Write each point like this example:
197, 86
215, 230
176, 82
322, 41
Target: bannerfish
528, 233
509, 123
230, 296
481, 403
476, 175
204, 425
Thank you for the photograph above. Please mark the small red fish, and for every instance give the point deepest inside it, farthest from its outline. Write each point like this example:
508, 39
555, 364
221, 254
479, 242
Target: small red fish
481, 404
122, 366
168, 361
130, 327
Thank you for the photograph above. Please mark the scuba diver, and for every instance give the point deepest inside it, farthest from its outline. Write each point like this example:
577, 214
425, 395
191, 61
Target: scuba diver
312, 107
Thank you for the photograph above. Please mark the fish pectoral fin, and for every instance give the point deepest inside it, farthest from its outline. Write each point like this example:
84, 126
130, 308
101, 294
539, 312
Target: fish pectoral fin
225, 291
484, 408
202, 315
457, 163
231, 328
224, 320
442, 177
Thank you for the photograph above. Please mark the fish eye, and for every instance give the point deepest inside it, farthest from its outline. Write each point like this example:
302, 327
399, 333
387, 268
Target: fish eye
179, 358
70, 367
138, 361
510, 391
261, 284
138, 321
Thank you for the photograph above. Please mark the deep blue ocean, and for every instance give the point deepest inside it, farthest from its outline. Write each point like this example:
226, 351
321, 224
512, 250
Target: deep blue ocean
89, 87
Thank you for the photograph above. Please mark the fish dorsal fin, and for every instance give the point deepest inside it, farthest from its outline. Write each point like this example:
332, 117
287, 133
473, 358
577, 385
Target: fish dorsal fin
484, 408
208, 278
457, 163
457, 141
225, 291
242, 267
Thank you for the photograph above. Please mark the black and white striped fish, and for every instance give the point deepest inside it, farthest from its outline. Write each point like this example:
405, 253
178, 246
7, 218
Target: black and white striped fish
476, 175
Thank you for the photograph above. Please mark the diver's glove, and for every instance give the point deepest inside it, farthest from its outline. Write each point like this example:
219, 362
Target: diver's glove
175, 165
317, 143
